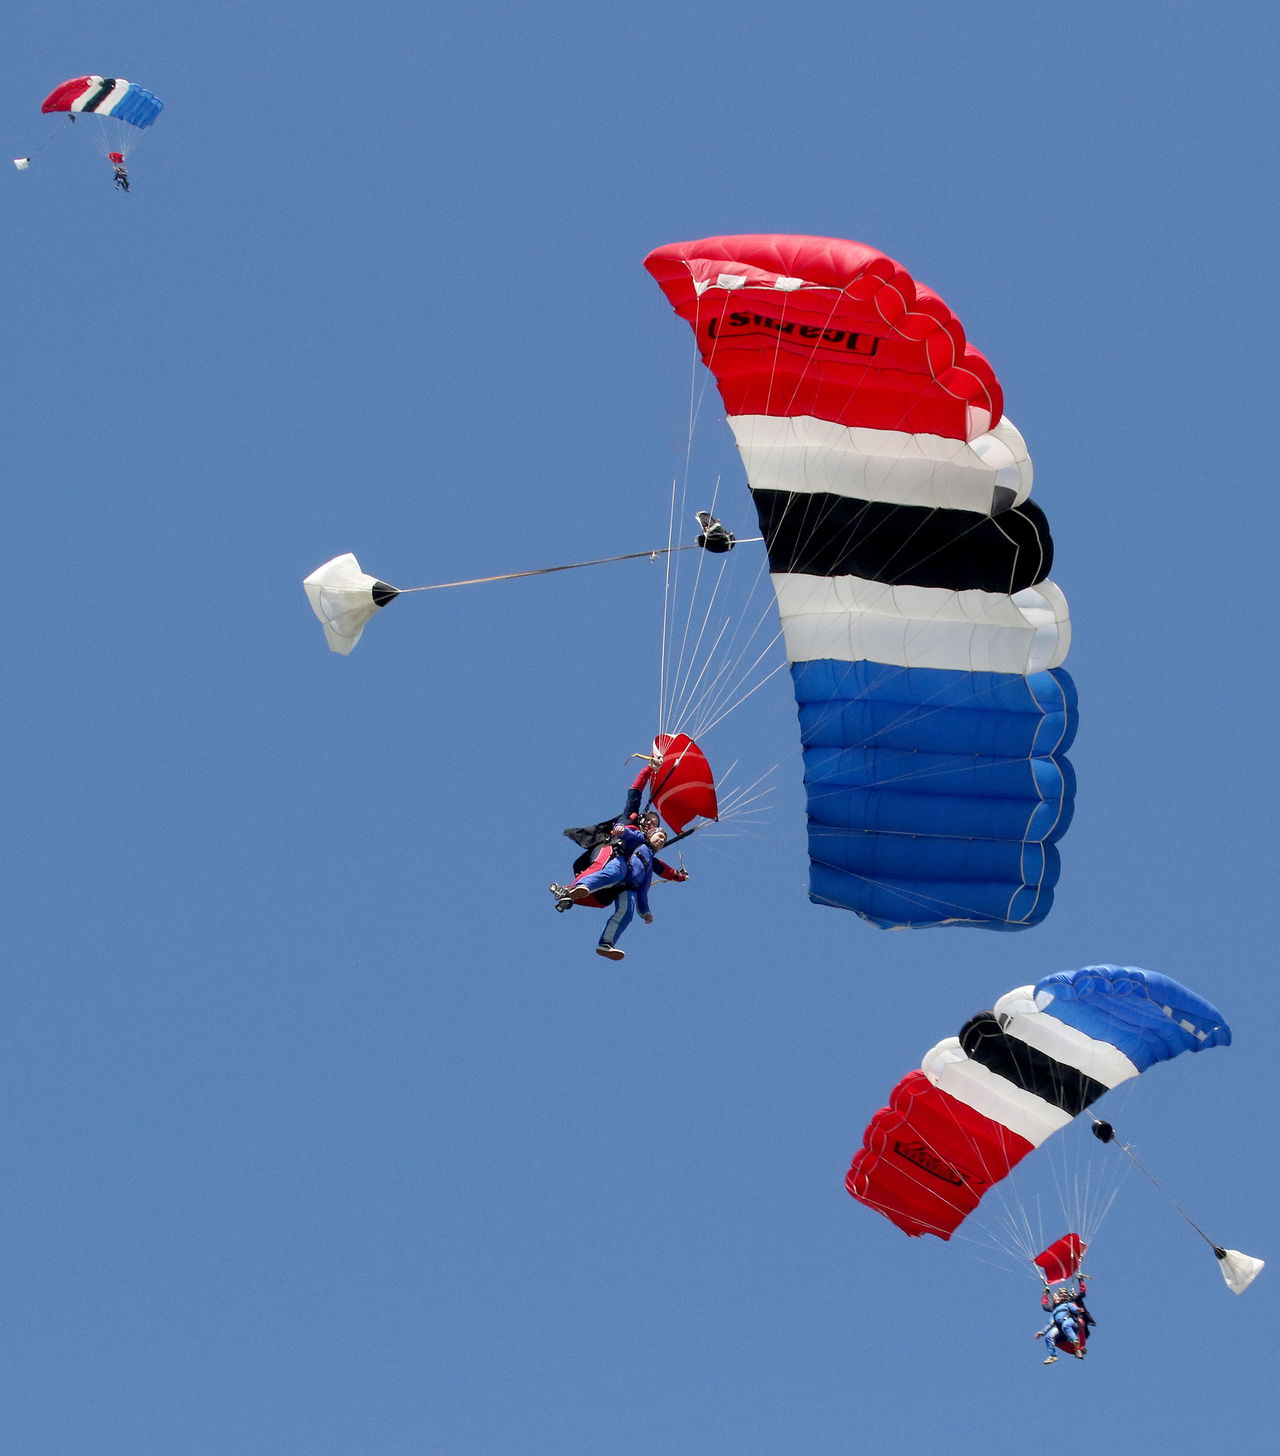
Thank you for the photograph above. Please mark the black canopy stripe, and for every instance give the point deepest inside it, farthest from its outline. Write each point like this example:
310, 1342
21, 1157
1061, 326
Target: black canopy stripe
1057, 1083
101, 94
831, 535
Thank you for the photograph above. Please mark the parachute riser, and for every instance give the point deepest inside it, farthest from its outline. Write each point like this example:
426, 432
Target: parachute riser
713, 537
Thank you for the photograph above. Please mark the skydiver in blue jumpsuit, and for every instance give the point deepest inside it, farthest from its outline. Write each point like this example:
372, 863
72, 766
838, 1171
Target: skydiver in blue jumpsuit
628, 871
617, 867
1069, 1322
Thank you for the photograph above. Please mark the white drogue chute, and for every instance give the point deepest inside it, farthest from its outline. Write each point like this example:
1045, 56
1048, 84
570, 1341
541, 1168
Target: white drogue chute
1239, 1270
344, 598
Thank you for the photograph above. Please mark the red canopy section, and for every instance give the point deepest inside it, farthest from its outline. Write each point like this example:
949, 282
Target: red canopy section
927, 1159
794, 325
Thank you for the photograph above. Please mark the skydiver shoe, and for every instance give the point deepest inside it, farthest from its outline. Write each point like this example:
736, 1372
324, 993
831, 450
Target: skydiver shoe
1050, 1359
1079, 1354
563, 902
612, 951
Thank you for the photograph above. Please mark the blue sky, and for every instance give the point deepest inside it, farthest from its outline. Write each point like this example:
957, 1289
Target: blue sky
322, 1134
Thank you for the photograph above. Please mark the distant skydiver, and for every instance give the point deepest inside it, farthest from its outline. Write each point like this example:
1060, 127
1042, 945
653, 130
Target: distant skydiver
1069, 1322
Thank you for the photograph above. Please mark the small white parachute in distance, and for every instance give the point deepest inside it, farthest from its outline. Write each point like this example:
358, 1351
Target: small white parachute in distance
1239, 1270
344, 598
22, 163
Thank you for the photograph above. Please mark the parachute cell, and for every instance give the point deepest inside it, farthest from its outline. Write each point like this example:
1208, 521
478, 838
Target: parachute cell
911, 574
1013, 1076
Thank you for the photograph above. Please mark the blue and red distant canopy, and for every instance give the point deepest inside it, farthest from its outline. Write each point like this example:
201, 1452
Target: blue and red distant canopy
105, 96
911, 572
1015, 1075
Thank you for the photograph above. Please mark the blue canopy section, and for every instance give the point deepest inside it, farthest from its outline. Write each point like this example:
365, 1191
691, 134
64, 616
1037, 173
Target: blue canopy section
138, 106
1147, 1016
935, 797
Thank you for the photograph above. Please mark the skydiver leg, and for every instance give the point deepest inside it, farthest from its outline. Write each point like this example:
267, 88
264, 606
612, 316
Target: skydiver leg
1067, 1327
603, 873
624, 908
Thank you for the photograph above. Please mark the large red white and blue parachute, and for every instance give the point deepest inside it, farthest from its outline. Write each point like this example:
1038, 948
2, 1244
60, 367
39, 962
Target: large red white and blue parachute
911, 573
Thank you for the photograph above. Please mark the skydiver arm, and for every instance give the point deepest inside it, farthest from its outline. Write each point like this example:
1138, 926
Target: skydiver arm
636, 792
642, 899
667, 872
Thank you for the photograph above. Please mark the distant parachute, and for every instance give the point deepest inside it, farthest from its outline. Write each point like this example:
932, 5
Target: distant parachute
344, 598
109, 112
105, 96
911, 574
1015, 1075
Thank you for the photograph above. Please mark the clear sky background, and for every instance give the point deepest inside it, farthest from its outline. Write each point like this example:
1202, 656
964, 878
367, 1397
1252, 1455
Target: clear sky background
321, 1133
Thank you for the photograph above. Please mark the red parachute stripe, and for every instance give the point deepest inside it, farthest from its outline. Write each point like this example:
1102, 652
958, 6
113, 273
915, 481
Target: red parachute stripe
927, 1159
683, 786
851, 346
1061, 1260
61, 97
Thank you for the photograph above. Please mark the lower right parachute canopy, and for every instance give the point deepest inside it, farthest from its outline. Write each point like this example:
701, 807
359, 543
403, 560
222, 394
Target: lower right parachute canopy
984, 1099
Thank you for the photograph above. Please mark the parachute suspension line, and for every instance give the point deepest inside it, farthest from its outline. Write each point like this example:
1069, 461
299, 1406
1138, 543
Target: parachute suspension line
730, 678
671, 582
689, 674
682, 671
723, 712
738, 803
666, 610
